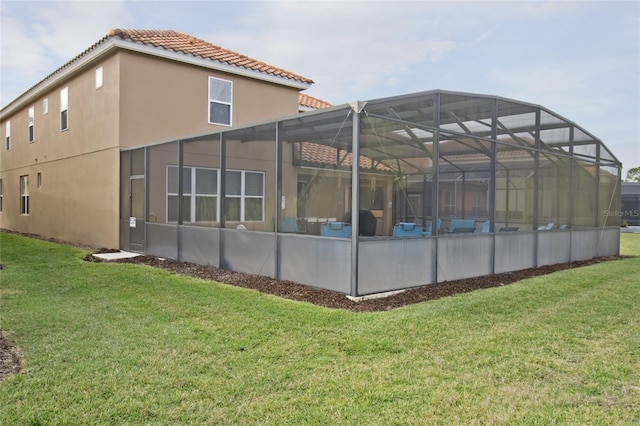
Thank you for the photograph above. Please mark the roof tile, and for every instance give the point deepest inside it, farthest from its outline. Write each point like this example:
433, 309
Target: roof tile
311, 102
187, 44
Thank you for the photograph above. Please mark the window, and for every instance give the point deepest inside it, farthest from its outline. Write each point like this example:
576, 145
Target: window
1, 199
45, 106
24, 195
219, 101
449, 203
244, 199
64, 108
99, 78
7, 135
32, 118
478, 205
199, 194
39, 180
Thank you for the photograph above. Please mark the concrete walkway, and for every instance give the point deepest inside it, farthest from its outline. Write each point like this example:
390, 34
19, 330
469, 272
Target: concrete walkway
115, 256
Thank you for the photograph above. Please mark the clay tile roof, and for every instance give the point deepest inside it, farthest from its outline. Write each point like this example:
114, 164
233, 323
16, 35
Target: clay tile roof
310, 102
311, 153
184, 43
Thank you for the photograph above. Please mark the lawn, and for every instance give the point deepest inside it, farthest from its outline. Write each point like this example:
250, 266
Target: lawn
129, 344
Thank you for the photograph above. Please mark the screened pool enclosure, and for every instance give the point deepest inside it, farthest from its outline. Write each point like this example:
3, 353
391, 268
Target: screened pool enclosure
378, 196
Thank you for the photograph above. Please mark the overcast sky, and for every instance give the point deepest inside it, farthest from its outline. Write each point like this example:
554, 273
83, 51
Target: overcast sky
579, 59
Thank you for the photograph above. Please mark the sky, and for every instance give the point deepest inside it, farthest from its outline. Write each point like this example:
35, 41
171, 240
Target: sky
580, 59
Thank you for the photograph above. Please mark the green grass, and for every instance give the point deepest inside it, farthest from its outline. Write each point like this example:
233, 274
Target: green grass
129, 344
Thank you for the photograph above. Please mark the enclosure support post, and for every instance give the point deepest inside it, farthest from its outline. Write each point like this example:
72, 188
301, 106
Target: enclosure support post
145, 186
572, 182
278, 204
223, 179
492, 184
180, 194
597, 197
435, 189
355, 195
536, 188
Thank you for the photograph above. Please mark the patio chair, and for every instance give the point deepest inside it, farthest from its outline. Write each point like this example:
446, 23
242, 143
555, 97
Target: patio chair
289, 224
547, 227
407, 229
335, 229
462, 226
486, 226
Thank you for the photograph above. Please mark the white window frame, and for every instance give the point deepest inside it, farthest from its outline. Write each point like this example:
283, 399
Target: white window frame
243, 196
39, 180
7, 135
212, 100
478, 205
450, 204
99, 77
64, 109
193, 195
31, 130
24, 195
45, 106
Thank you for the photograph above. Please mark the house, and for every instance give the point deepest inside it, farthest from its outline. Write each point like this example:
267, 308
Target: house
253, 176
630, 212
60, 156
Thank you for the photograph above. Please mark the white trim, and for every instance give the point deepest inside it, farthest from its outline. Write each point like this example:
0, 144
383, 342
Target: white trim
230, 103
193, 195
114, 43
31, 124
64, 107
99, 77
24, 195
243, 196
7, 135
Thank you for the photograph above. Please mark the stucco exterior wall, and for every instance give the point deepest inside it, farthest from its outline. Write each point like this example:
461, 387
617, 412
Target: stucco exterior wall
78, 199
163, 100
77, 202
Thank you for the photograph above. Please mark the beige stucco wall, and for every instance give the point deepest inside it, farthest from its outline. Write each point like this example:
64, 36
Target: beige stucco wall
162, 100
78, 200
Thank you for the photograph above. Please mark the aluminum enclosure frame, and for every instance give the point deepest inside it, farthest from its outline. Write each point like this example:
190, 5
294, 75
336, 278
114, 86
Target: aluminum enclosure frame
533, 168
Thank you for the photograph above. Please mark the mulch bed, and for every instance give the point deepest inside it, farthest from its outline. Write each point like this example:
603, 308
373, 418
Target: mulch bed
10, 359
330, 299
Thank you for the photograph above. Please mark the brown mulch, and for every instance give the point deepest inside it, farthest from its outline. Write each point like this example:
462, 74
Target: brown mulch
10, 359
331, 299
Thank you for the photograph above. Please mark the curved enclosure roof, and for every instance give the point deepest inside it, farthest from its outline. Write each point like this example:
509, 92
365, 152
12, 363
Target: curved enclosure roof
461, 118
396, 131
397, 134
